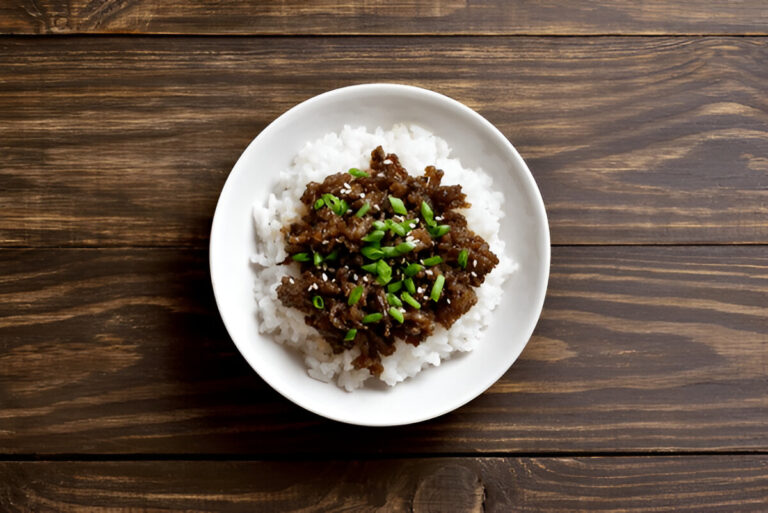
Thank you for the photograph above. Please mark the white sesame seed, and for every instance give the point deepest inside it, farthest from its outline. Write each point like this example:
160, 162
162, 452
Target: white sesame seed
420, 290
355, 277
362, 195
474, 263
387, 161
291, 280
347, 185
376, 207
448, 301
325, 277
429, 272
473, 273
325, 242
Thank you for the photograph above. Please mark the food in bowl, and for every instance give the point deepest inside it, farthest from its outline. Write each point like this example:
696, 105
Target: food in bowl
374, 271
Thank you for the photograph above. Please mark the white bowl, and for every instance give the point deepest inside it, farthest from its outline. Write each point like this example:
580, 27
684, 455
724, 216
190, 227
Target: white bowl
477, 143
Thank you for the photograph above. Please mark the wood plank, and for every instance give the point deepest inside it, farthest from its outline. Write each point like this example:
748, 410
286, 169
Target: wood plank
126, 142
384, 17
526, 485
122, 351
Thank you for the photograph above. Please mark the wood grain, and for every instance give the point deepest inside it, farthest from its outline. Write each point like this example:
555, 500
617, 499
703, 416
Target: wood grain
121, 351
127, 142
286, 17
444, 485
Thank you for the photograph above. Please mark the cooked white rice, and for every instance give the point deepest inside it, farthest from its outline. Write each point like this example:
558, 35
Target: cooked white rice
335, 152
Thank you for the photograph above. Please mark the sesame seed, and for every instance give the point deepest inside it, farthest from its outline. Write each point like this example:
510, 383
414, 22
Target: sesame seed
473, 273
325, 242
347, 185
355, 277
291, 280
387, 161
325, 277
448, 301
420, 290
376, 207
362, 195
474, 263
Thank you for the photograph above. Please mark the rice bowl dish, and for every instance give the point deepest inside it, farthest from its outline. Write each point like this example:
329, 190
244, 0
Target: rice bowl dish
416, 148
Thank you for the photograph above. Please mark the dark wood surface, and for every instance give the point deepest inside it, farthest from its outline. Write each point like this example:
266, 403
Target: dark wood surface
501, 17
644, 386
417, 485
126, 141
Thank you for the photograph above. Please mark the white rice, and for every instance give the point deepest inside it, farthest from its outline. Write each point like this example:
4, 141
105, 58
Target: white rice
335, 152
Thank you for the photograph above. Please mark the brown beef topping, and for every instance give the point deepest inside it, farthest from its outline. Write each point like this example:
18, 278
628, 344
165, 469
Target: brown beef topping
325, 232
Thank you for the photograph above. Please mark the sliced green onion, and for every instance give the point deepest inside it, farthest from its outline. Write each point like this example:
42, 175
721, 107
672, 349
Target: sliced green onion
320, 203
397, 229
380, 225
374, 236
371, 268
433, 260
463, 256
397, 205
404, 247
350, 335
318, 302
439, 231
301, 257
408, 225
330, 201
333, 255
413, 269
384, 271
317, 259
427, 214
394, 300
374, 317
355, 295
409, 299
396, 315
357, 173
372, 253
342, 207
437, 288
394, 287
363, 210
409, 285
389, 251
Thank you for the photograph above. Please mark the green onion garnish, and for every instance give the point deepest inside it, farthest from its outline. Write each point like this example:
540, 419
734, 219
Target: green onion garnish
384, 271
371, 268
318, 302
342, 208
355, 295
317, 259
363, 210
374, 317
394, 287
413, 269
397, 229
372, 253
463, 256
404, 247
427, 214
433, 260
301, 257
394, 300
397, 205
374, 236
350, 335
333, 255
409, 299
396, 314
409, 285
389, 251
320, 203
437, 288
357, 173
330, 201
439, 231
380, 225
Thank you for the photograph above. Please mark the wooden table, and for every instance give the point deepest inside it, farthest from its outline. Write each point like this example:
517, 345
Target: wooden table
644, 386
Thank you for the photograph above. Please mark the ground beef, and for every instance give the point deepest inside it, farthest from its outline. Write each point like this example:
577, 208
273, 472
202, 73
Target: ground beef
328, 244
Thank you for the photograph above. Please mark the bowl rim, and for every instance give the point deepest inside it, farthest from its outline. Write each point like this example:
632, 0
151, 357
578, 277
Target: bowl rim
386, 87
